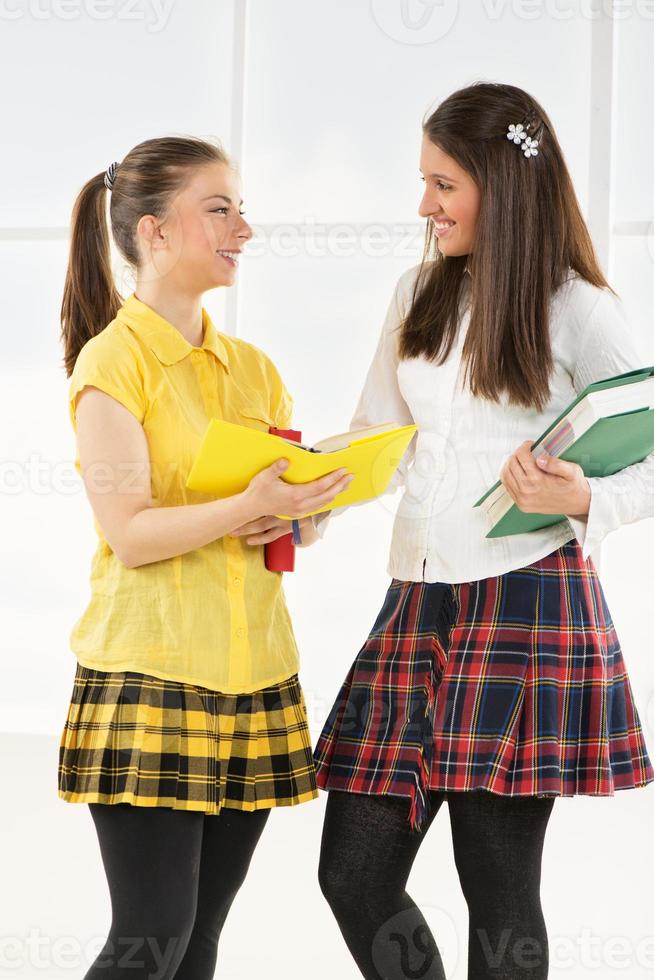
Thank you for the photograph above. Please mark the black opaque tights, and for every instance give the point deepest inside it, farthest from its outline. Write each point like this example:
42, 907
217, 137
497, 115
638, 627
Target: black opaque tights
367, 852
172, 875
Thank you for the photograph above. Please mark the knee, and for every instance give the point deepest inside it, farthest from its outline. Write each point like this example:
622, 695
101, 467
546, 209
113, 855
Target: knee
480, 881
496, 877
338, 885
157, 946
231, 880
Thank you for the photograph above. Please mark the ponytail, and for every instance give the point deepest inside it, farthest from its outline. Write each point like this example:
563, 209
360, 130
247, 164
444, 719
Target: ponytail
90, 299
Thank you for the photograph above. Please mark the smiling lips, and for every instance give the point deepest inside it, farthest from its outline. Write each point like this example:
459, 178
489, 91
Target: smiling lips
442, 227
229, 256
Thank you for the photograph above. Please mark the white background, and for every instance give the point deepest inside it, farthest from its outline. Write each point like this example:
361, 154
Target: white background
321, 102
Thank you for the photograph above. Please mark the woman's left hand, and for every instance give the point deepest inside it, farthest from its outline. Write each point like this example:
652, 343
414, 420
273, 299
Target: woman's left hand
267, 529
549, 486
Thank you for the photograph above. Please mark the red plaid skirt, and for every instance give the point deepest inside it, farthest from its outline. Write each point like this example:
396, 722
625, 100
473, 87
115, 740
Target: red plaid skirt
514, 684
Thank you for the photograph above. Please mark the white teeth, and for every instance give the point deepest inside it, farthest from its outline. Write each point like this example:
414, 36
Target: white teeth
229, 255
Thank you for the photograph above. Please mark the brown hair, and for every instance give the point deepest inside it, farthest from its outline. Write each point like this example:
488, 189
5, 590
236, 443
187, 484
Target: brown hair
145, 182
529, 232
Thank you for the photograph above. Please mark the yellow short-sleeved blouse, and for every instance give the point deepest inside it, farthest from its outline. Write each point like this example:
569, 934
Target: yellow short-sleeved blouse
214, 616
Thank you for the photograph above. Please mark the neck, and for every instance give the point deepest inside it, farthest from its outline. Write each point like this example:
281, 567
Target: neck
182, 310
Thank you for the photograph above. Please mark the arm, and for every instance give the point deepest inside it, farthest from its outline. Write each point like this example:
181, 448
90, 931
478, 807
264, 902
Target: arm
607, 348
381, 399
115, 466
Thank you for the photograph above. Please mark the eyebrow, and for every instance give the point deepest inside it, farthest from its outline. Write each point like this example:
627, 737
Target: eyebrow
222, 196
445, 177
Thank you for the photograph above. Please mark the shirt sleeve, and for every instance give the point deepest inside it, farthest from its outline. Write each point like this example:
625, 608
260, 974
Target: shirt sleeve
381, 399
608, 347
106, 363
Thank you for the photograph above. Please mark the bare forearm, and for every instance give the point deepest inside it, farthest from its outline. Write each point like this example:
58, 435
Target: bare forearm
157, 533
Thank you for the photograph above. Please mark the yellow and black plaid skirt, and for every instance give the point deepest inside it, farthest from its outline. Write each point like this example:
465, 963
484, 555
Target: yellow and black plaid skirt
133, 738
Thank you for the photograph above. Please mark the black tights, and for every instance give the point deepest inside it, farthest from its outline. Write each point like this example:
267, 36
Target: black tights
367, 852
172, 875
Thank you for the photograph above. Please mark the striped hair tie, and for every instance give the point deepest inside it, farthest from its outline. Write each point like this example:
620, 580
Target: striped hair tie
110, 174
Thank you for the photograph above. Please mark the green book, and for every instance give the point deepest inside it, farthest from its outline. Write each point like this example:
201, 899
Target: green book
608, 426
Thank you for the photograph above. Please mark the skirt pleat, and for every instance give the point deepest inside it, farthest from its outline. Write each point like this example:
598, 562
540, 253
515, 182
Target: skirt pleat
133, 738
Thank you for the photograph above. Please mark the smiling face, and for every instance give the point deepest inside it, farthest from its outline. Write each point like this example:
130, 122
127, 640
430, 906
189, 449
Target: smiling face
451, 200
199, 243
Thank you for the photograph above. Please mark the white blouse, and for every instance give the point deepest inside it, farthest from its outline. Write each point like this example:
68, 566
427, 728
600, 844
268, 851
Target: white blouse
463, 440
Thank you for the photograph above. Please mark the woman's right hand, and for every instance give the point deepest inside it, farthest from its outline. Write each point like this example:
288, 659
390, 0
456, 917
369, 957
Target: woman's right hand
269, 494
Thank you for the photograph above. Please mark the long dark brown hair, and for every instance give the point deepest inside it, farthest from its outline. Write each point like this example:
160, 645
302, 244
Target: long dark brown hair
146, 181
529, 233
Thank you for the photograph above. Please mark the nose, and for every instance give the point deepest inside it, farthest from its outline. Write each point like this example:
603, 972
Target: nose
245, 230
429, 204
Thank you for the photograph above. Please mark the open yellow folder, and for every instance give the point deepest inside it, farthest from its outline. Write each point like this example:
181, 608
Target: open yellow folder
231, 455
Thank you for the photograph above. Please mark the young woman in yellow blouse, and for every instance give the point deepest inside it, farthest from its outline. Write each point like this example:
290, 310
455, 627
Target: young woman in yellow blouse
187, 722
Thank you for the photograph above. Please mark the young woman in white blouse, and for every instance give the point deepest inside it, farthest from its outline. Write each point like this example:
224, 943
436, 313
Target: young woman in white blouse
493, 676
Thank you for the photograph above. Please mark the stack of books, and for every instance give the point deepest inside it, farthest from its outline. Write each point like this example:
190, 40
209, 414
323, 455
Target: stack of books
609, 426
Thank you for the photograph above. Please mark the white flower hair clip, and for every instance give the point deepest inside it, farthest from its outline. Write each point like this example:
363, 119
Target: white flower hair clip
518, 134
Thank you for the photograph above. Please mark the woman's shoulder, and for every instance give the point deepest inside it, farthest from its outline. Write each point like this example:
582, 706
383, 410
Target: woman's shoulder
579, 299
405, 284
588, 322
115, 344
403, 292
110, 361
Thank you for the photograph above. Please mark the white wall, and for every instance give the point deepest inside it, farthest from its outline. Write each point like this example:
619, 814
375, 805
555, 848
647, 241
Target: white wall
324, 113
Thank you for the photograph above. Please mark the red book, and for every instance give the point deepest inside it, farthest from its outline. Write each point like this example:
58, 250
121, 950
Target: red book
279, 555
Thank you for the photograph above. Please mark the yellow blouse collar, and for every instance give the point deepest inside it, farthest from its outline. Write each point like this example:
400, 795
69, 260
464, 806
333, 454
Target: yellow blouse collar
163, 338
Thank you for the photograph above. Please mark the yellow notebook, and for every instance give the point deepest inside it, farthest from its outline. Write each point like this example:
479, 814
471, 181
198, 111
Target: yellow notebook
231, 455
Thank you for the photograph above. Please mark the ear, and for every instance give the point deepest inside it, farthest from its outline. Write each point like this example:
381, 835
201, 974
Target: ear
149, 228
